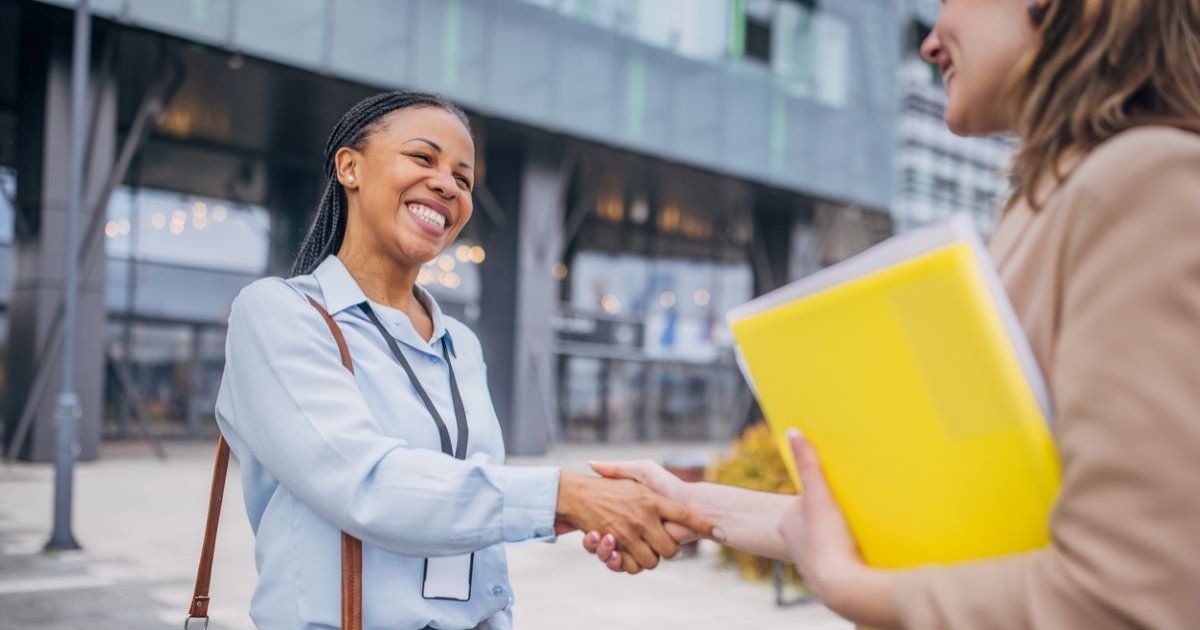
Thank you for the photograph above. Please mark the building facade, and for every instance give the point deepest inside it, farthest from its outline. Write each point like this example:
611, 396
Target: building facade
937, 172
644, 166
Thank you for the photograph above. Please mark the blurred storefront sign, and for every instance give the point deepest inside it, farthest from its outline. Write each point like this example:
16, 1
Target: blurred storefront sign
579, 327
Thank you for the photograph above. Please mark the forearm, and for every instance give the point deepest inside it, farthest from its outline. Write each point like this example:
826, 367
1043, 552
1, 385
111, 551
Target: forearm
749, 518
423, 503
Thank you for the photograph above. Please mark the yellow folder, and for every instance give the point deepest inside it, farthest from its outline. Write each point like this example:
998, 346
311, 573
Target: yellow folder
906, 369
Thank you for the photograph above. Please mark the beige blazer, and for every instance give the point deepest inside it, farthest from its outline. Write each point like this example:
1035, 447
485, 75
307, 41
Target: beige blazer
1106, 282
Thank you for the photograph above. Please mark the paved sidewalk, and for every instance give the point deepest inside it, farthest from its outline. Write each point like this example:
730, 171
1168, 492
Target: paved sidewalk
140, 522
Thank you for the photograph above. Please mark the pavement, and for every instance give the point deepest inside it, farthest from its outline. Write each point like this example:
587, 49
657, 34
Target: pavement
140, 521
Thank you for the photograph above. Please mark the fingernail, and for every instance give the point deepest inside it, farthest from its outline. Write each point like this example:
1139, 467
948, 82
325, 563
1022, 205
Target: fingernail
609, 540
718, 534
794, 433
592, 537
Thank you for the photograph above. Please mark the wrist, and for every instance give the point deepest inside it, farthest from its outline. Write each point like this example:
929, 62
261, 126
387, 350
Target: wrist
862, 595
699, 498
568, 493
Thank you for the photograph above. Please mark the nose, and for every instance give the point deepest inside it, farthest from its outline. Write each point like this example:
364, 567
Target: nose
444, 185
931, 48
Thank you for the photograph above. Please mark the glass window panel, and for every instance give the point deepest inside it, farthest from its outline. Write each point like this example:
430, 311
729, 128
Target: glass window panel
157, 361
160, 226
8, 188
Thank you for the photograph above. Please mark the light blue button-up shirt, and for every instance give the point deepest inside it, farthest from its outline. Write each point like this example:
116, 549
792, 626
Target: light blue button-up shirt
323, 450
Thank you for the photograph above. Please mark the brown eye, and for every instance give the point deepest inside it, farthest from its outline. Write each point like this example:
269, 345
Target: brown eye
423, 158
464, 181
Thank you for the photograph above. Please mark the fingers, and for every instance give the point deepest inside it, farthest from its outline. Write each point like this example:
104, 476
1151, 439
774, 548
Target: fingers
607, 547
674, 512
629, 565
680, 533
642, 471
644, 554
617, 470
600, 546
655, 534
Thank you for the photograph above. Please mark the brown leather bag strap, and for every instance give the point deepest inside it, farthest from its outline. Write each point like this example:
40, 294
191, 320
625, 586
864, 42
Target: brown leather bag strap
351, 546
199, 604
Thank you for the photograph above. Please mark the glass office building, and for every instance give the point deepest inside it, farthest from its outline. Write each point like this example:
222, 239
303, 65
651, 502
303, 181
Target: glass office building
644, 166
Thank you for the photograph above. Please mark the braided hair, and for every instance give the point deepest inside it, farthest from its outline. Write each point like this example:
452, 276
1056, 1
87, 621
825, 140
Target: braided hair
328, 228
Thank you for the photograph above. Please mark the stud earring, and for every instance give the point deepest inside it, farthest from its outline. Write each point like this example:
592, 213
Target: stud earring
1037, 13
350, 178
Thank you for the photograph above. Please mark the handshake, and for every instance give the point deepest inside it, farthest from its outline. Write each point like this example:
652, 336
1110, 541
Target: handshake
633, 515
637, 513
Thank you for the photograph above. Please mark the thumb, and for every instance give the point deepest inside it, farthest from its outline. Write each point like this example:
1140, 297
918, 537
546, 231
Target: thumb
808, 466
608, 469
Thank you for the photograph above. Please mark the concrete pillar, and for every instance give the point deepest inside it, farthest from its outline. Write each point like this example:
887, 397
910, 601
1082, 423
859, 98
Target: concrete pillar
519, 295
40, 245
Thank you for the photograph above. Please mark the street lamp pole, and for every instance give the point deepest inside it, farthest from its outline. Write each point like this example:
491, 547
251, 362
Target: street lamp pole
67, 412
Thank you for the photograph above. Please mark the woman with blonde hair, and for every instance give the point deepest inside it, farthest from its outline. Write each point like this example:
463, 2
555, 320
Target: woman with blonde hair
1099, 250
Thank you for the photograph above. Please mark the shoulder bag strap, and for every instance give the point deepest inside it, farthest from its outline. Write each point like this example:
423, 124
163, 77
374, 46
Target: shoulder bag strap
351, 546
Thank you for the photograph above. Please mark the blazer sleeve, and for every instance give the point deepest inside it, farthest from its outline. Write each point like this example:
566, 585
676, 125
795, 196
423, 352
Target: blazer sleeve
1125, 374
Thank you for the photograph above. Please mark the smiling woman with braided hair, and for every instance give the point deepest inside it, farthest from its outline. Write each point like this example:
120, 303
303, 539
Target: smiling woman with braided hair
405, 453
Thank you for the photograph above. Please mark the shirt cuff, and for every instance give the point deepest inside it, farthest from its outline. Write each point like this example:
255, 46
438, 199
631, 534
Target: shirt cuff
530, 497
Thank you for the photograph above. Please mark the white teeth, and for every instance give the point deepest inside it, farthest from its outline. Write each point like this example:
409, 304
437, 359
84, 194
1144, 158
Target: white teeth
427, 215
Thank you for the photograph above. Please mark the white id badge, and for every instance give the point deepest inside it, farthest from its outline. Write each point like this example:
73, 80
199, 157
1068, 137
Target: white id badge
448, 577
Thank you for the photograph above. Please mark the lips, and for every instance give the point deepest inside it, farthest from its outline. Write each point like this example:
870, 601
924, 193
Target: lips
430, 213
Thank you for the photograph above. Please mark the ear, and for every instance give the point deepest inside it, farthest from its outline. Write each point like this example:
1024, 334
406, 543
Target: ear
346, 162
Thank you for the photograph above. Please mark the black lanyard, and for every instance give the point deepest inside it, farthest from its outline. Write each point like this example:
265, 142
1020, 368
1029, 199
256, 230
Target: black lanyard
460, 412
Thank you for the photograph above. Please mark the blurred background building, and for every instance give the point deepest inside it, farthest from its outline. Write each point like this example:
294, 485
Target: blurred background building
937, 172
644, 165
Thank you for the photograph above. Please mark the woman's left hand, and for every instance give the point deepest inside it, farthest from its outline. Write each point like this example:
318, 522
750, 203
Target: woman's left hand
824, 550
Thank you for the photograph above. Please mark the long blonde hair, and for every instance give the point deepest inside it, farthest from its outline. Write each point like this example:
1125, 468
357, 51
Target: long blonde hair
1102, 67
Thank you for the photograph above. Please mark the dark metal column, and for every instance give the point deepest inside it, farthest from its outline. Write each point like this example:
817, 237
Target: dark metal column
520, 295
41, 241
292, 201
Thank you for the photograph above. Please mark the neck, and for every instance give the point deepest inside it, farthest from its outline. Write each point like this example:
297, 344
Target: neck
381, 279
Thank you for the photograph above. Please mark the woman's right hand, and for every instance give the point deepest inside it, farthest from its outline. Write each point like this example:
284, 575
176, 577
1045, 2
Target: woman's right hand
658, 479
633, 513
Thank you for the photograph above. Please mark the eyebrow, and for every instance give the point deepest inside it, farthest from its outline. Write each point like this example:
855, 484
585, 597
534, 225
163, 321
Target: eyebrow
437, 148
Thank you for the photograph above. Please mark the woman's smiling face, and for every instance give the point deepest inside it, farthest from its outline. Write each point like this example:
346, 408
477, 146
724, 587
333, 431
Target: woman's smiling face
412, 180
977, 44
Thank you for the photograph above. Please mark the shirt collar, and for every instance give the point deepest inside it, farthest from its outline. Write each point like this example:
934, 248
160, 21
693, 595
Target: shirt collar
341, 292
338, 286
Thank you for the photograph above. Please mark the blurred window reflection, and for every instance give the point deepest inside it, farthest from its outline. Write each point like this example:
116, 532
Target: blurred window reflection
157, 360
160, 226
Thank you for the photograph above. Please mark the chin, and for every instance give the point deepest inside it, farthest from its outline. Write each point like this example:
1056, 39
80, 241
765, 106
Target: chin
966, 121
959, 128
